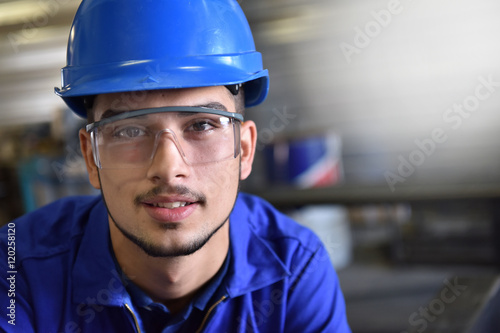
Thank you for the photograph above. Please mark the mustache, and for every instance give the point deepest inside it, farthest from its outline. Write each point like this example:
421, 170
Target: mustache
169, 190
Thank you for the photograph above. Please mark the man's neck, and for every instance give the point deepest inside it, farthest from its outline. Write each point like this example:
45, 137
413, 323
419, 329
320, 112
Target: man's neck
172, 281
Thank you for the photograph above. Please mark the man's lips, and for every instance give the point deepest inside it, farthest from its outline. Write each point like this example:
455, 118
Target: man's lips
169, 202
170, 209
170, 205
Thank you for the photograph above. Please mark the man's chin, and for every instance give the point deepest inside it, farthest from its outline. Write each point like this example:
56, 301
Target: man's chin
158, 250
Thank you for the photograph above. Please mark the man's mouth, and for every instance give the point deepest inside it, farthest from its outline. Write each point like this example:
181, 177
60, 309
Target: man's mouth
165, 210
170, 205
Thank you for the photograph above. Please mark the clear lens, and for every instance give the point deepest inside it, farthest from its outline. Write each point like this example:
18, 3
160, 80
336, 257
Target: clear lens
133, 142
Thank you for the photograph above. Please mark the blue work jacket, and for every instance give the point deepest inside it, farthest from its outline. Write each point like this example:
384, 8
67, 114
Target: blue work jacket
63, 277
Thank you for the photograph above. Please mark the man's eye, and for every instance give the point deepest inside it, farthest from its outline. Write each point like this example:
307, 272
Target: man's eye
201, 126
129, 132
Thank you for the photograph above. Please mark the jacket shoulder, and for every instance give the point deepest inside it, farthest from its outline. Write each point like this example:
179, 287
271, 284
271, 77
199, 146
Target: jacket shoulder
49, 229
270, 224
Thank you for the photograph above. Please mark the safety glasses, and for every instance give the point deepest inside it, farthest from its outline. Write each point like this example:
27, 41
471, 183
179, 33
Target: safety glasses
131, 139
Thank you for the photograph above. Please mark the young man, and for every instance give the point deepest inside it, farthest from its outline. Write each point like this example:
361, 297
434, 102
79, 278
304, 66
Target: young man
169, 245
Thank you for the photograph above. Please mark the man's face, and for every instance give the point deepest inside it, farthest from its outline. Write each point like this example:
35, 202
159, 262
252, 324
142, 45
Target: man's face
170, 208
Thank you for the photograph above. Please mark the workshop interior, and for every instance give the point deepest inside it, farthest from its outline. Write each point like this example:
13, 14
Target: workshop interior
381, 133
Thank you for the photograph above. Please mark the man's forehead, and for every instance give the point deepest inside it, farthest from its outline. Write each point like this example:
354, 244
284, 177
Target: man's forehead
217, 97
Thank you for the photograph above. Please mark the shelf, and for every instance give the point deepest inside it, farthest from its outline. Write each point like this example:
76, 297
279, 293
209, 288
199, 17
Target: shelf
346, 194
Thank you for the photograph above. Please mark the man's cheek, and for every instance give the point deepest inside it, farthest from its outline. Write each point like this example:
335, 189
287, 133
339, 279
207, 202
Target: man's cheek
220, 178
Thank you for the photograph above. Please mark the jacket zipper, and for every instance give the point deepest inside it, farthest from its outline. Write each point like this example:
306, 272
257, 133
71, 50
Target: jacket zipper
209, 312
135, 318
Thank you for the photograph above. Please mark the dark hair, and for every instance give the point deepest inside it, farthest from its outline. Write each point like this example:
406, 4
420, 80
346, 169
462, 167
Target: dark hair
88, 102
239, 102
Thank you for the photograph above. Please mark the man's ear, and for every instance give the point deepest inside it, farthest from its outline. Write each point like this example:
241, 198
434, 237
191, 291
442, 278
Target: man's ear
248, 145
86, 147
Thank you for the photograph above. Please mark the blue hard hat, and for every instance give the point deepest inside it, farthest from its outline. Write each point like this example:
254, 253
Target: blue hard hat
135, 45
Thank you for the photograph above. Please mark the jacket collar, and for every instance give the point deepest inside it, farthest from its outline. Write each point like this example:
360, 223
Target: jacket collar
254, 264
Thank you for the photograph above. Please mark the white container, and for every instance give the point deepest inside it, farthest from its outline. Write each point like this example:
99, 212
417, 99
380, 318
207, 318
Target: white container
331, 224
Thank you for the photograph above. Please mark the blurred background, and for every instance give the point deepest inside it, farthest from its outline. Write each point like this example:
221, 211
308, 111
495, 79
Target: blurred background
381, 133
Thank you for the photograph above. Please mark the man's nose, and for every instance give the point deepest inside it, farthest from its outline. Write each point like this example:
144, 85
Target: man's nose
168, 160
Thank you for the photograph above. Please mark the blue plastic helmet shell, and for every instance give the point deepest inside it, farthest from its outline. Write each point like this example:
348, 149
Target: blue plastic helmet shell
135, 45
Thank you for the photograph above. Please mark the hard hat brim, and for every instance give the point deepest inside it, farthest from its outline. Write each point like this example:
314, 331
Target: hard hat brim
154, 75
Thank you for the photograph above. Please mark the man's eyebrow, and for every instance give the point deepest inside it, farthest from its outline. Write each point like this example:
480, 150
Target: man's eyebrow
212, 105
109, 113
